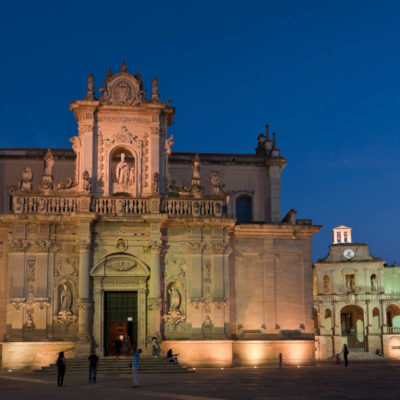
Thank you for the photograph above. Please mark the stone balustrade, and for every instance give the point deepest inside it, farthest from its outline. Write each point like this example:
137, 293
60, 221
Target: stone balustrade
126, 206
44, 204
192, 207
176, 207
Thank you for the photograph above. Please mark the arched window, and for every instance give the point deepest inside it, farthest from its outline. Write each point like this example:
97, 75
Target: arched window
244, 209
327, 283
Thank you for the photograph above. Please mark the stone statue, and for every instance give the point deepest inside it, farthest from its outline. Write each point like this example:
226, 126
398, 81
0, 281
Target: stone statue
122, 171
169, 142
27, 176
91, 82
216, 186
196, 167
373, 282
86, 181
174, 299
131, 176
154, 187
65, 299
90, 89
49, 163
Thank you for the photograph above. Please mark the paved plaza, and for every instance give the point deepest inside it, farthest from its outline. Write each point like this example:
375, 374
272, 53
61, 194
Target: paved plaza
379, 380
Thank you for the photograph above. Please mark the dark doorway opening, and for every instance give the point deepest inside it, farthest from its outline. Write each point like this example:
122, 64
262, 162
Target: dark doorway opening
120, 320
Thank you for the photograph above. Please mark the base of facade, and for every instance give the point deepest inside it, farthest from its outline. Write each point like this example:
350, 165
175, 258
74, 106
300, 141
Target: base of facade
17, 355
228, 353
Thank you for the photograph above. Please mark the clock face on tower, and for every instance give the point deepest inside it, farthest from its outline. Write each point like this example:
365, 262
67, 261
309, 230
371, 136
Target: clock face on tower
349, 254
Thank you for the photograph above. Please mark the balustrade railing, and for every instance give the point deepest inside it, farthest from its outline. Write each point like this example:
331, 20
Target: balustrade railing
44, 205
192, 207
176, 207
393, 330
120, 206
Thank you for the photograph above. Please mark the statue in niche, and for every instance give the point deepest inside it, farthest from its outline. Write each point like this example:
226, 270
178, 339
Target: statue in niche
122, 171
49, 163
65, 299
174, 302
169, 142
27, 176
373, 282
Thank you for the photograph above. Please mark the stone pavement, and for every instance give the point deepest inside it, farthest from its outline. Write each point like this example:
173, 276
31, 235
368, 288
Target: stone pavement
362, 380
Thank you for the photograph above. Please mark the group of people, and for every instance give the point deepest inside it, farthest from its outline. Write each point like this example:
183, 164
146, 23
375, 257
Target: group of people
93, 360
122, 342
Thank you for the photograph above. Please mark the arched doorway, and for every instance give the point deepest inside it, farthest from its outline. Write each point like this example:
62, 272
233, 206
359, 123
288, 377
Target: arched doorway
119, 294
352, 327
393, 318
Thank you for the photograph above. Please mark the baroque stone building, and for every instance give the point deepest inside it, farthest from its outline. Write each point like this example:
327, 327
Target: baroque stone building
357, 301
120, 235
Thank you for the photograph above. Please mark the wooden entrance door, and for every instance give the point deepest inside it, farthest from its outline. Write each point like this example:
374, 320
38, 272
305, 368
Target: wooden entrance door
120, 318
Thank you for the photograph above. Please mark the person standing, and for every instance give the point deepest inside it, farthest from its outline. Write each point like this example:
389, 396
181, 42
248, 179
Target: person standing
93, 360
118, 345
345, 355
61, 365
125, 345
135, 368
154, 347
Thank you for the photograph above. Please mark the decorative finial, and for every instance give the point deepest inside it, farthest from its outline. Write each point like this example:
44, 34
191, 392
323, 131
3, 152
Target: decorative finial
267, 130
124, 67
90, 88
109, 73
155, 97
138, 76
274, 140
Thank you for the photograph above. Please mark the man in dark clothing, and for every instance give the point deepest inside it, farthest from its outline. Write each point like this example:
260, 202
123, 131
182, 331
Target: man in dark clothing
93, 359
118, 345
345, 355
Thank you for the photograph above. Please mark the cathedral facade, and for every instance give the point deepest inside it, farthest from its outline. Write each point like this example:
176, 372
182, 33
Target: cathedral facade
122, 236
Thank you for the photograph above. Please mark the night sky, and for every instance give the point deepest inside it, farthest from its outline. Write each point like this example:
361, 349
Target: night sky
324, 75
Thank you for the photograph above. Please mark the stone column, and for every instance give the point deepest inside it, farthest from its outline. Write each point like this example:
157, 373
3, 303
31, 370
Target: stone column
84, 287
154, 302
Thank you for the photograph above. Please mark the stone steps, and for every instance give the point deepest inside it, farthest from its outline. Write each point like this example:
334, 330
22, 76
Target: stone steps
118, 366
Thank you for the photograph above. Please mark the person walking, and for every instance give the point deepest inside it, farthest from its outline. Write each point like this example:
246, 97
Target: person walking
61, 365
93, 360
345, 355
135, 368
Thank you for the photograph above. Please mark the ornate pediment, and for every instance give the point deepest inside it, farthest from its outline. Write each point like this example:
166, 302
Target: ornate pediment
120, 264
122, 88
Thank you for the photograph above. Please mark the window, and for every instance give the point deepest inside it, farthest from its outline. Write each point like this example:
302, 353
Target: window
350, 283
345, 237
338, 237
243, 209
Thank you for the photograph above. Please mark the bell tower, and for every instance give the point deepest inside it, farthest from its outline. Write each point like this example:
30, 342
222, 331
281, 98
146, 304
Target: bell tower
341, 234
122, 139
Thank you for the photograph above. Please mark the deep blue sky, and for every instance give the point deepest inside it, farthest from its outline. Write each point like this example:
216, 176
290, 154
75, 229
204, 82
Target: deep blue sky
325, 75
